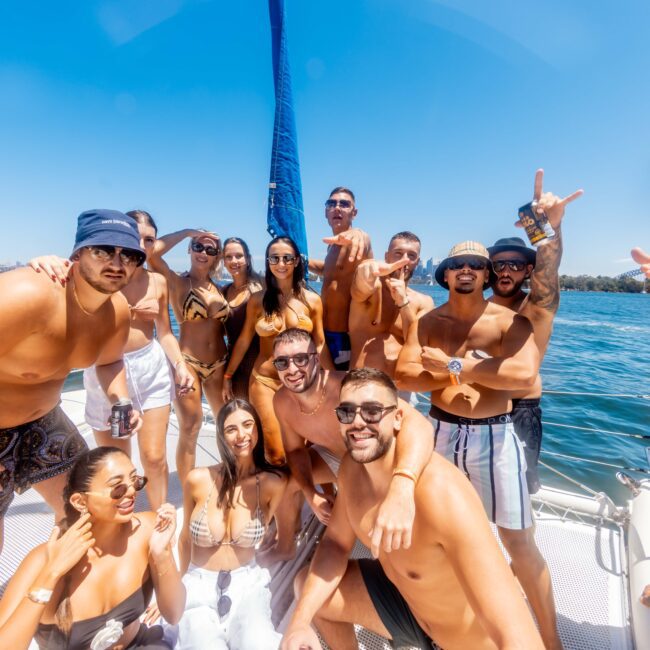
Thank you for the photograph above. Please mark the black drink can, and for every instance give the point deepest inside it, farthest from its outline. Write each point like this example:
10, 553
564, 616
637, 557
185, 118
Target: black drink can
121, 418
538, 229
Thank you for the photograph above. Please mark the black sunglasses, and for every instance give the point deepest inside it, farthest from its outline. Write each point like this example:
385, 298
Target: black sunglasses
276, 259
128, 256
371, 412
198, 247
224, 603
474, 263
299, 360
330, 204
118, 491
513, 265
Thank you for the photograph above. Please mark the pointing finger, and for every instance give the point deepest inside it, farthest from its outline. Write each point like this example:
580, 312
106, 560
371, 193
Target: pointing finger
539, 182
640, 256
572, 197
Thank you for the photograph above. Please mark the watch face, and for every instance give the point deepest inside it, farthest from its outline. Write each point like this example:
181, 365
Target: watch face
455, 366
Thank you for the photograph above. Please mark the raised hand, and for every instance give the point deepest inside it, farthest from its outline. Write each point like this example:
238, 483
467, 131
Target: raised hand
57, 268
354, 239
549, 203
643, 259
201, 232
64, 551
163, 531
397, 286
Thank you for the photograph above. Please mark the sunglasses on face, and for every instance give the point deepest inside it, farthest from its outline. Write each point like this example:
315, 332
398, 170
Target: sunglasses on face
371, 412
330, 204
118, 491
513, 265
274, 260
224, 603
128, 256
474, 263
299, 360
198, 247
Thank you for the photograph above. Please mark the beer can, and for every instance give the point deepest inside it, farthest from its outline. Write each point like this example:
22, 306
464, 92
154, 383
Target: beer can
536, 224
121, 418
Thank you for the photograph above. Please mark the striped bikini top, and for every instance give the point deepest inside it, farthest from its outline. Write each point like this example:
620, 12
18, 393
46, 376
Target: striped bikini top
250, 536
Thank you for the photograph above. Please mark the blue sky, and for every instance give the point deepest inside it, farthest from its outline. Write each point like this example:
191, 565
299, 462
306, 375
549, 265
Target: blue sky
436, 113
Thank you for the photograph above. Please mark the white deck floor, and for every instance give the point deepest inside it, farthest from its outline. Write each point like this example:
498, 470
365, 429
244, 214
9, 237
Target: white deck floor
584, 561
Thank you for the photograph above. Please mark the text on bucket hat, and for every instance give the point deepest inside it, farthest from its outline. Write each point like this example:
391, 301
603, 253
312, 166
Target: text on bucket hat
107, 228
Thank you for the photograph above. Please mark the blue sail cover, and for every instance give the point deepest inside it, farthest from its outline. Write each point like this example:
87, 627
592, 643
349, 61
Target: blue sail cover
285, 212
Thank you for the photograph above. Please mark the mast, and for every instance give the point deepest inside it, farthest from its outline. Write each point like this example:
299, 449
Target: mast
285, 215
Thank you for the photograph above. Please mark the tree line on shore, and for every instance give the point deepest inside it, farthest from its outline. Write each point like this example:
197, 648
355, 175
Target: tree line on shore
600, 283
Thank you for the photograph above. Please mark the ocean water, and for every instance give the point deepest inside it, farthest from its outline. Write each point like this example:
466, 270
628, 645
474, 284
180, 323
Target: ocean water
600, 344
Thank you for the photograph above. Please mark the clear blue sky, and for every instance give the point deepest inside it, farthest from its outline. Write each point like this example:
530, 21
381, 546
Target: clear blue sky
436, 113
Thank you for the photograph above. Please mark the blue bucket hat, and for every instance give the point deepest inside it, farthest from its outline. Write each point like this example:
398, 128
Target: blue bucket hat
107, 228
516, 244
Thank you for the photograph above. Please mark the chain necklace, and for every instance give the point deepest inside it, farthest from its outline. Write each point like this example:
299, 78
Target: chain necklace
320, 401
76, 299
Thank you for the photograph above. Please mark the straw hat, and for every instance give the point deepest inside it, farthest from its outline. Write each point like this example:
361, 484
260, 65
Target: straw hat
473, 248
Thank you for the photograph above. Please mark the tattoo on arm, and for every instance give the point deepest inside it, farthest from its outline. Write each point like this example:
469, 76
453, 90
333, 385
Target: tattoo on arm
545, 280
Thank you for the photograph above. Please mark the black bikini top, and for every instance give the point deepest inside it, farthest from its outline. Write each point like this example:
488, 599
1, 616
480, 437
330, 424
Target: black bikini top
49, 637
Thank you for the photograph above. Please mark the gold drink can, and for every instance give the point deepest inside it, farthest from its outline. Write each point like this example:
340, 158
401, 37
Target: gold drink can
536, 224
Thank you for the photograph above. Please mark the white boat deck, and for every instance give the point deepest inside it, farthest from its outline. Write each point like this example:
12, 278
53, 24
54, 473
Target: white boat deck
584, 560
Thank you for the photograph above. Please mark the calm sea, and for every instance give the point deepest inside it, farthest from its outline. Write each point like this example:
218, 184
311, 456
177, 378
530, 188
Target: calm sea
600, 344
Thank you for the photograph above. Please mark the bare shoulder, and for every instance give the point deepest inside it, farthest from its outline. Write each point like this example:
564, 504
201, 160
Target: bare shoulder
30, 290
198, 477
505, 316
282, 399
452, 493
313, 299
273, 482
159, 279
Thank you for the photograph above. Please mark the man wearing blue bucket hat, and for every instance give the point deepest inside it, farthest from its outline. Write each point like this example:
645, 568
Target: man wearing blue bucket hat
46, 330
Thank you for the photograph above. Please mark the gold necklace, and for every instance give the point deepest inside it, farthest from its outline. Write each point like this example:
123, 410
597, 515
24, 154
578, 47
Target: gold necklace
76, 299
320, 401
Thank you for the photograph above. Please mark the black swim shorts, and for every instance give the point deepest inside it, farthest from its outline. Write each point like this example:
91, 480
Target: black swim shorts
393, 610
527, 419
36, 451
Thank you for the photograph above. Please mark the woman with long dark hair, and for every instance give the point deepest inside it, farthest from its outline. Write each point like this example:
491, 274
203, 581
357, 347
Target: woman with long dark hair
286, 302
200, 310
245, 282
89, 584
149, 356
227, 508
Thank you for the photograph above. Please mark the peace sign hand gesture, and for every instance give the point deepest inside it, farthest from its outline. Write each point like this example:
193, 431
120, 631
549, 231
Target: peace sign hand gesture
549, 203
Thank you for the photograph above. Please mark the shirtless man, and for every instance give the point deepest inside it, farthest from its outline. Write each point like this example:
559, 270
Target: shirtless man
305, 408
384, 306
513, 263
46, 330
347, 247
474, 356
452, 585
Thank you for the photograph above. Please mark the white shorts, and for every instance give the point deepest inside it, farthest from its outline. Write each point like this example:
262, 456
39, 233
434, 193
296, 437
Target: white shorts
492, 457
149, 380
247, 626
331, 460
